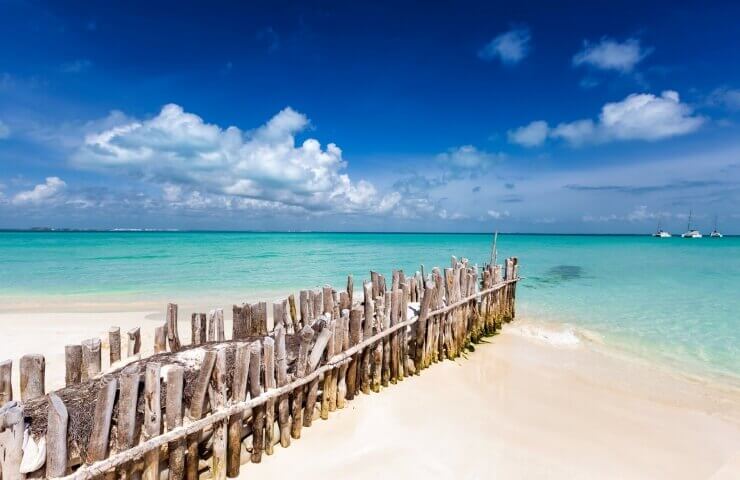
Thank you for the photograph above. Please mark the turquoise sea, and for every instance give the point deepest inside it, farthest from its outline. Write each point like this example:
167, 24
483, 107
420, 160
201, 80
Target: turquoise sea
676, 300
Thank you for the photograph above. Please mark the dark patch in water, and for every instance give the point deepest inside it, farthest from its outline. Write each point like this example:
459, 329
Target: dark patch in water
559, 274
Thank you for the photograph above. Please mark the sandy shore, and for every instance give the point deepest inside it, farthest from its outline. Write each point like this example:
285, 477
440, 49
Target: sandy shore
520, 406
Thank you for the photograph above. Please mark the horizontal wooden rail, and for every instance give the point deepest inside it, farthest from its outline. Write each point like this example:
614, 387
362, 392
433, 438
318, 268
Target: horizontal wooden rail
103, 466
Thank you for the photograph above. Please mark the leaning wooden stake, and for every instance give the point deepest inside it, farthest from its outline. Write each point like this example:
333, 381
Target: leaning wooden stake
160, 339
197, 406
152, 419
97, 448
128, 399
33, 368
173, 419
56, 438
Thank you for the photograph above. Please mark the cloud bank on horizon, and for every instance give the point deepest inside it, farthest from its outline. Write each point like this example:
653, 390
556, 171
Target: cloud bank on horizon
505, 122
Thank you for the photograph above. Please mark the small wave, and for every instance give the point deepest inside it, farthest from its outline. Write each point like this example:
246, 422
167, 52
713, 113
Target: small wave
565, 336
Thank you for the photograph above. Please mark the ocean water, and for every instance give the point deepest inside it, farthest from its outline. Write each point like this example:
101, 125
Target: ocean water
674, 300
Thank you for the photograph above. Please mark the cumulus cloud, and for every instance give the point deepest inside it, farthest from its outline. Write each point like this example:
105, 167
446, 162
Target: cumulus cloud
641, 116
182, 152
4, 130
610, 54
467, 157
510, 47
46, 192
531, 135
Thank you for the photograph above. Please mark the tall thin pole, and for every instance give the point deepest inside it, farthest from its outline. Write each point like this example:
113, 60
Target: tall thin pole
494, 253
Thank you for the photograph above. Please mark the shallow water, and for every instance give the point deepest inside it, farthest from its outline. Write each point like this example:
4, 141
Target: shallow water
673, 299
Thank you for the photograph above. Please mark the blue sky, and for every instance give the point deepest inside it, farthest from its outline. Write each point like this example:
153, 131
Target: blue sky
428, 116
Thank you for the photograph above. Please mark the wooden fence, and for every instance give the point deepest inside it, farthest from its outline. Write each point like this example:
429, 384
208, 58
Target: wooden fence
209, 407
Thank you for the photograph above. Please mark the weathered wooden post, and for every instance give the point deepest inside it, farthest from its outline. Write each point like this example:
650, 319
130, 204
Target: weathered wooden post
294, 324
197, 405
97, 448
90, 358
114, 344
160, 339
369, 322
56, 438
128, 399
6, 384
198, 328
322, 340
152, 419
238, 394
134, 341
258, 413
307, 334
173, 336
258, 324
268, 345
281, 361
173, 409
11, 441
218, 402
33, 368
329, 375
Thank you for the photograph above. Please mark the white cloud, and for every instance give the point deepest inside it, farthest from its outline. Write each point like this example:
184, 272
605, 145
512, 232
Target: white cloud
725, 97
531, 135
498, 214
610, 54
42, 193
510, 47
640, 214
4, 130
641, 116
467, 157
182, 152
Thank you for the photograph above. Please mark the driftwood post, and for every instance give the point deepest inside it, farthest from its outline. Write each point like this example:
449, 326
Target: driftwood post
281, 361
134, 341
90, 358
56, 438
97, 448
173, 411
258, 413
238, 394
114, 344
355, 336
173, 336
218, 402
11, 441
128, 399
152, 419
33, 368
300, 371
6, 384
329, 375
160, 339
313, 361
367, 332
197, 405
269, 363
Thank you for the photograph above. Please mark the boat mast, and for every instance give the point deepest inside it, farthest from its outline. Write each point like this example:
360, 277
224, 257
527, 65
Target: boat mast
689, 226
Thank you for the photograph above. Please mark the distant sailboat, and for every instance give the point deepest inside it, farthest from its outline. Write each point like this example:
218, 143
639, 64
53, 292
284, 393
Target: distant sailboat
691, 233
661, 233
715, 233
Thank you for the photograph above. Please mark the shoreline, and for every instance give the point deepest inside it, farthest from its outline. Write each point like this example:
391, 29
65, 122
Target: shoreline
529, 402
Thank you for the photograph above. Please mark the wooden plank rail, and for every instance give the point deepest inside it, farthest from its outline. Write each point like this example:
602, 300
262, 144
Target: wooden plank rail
335, 356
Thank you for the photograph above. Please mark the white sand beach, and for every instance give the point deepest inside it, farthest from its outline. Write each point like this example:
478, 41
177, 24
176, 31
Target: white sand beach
520, 406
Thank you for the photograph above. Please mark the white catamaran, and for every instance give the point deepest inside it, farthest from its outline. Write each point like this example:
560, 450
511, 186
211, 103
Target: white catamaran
661, 233
715, 233
691, 232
